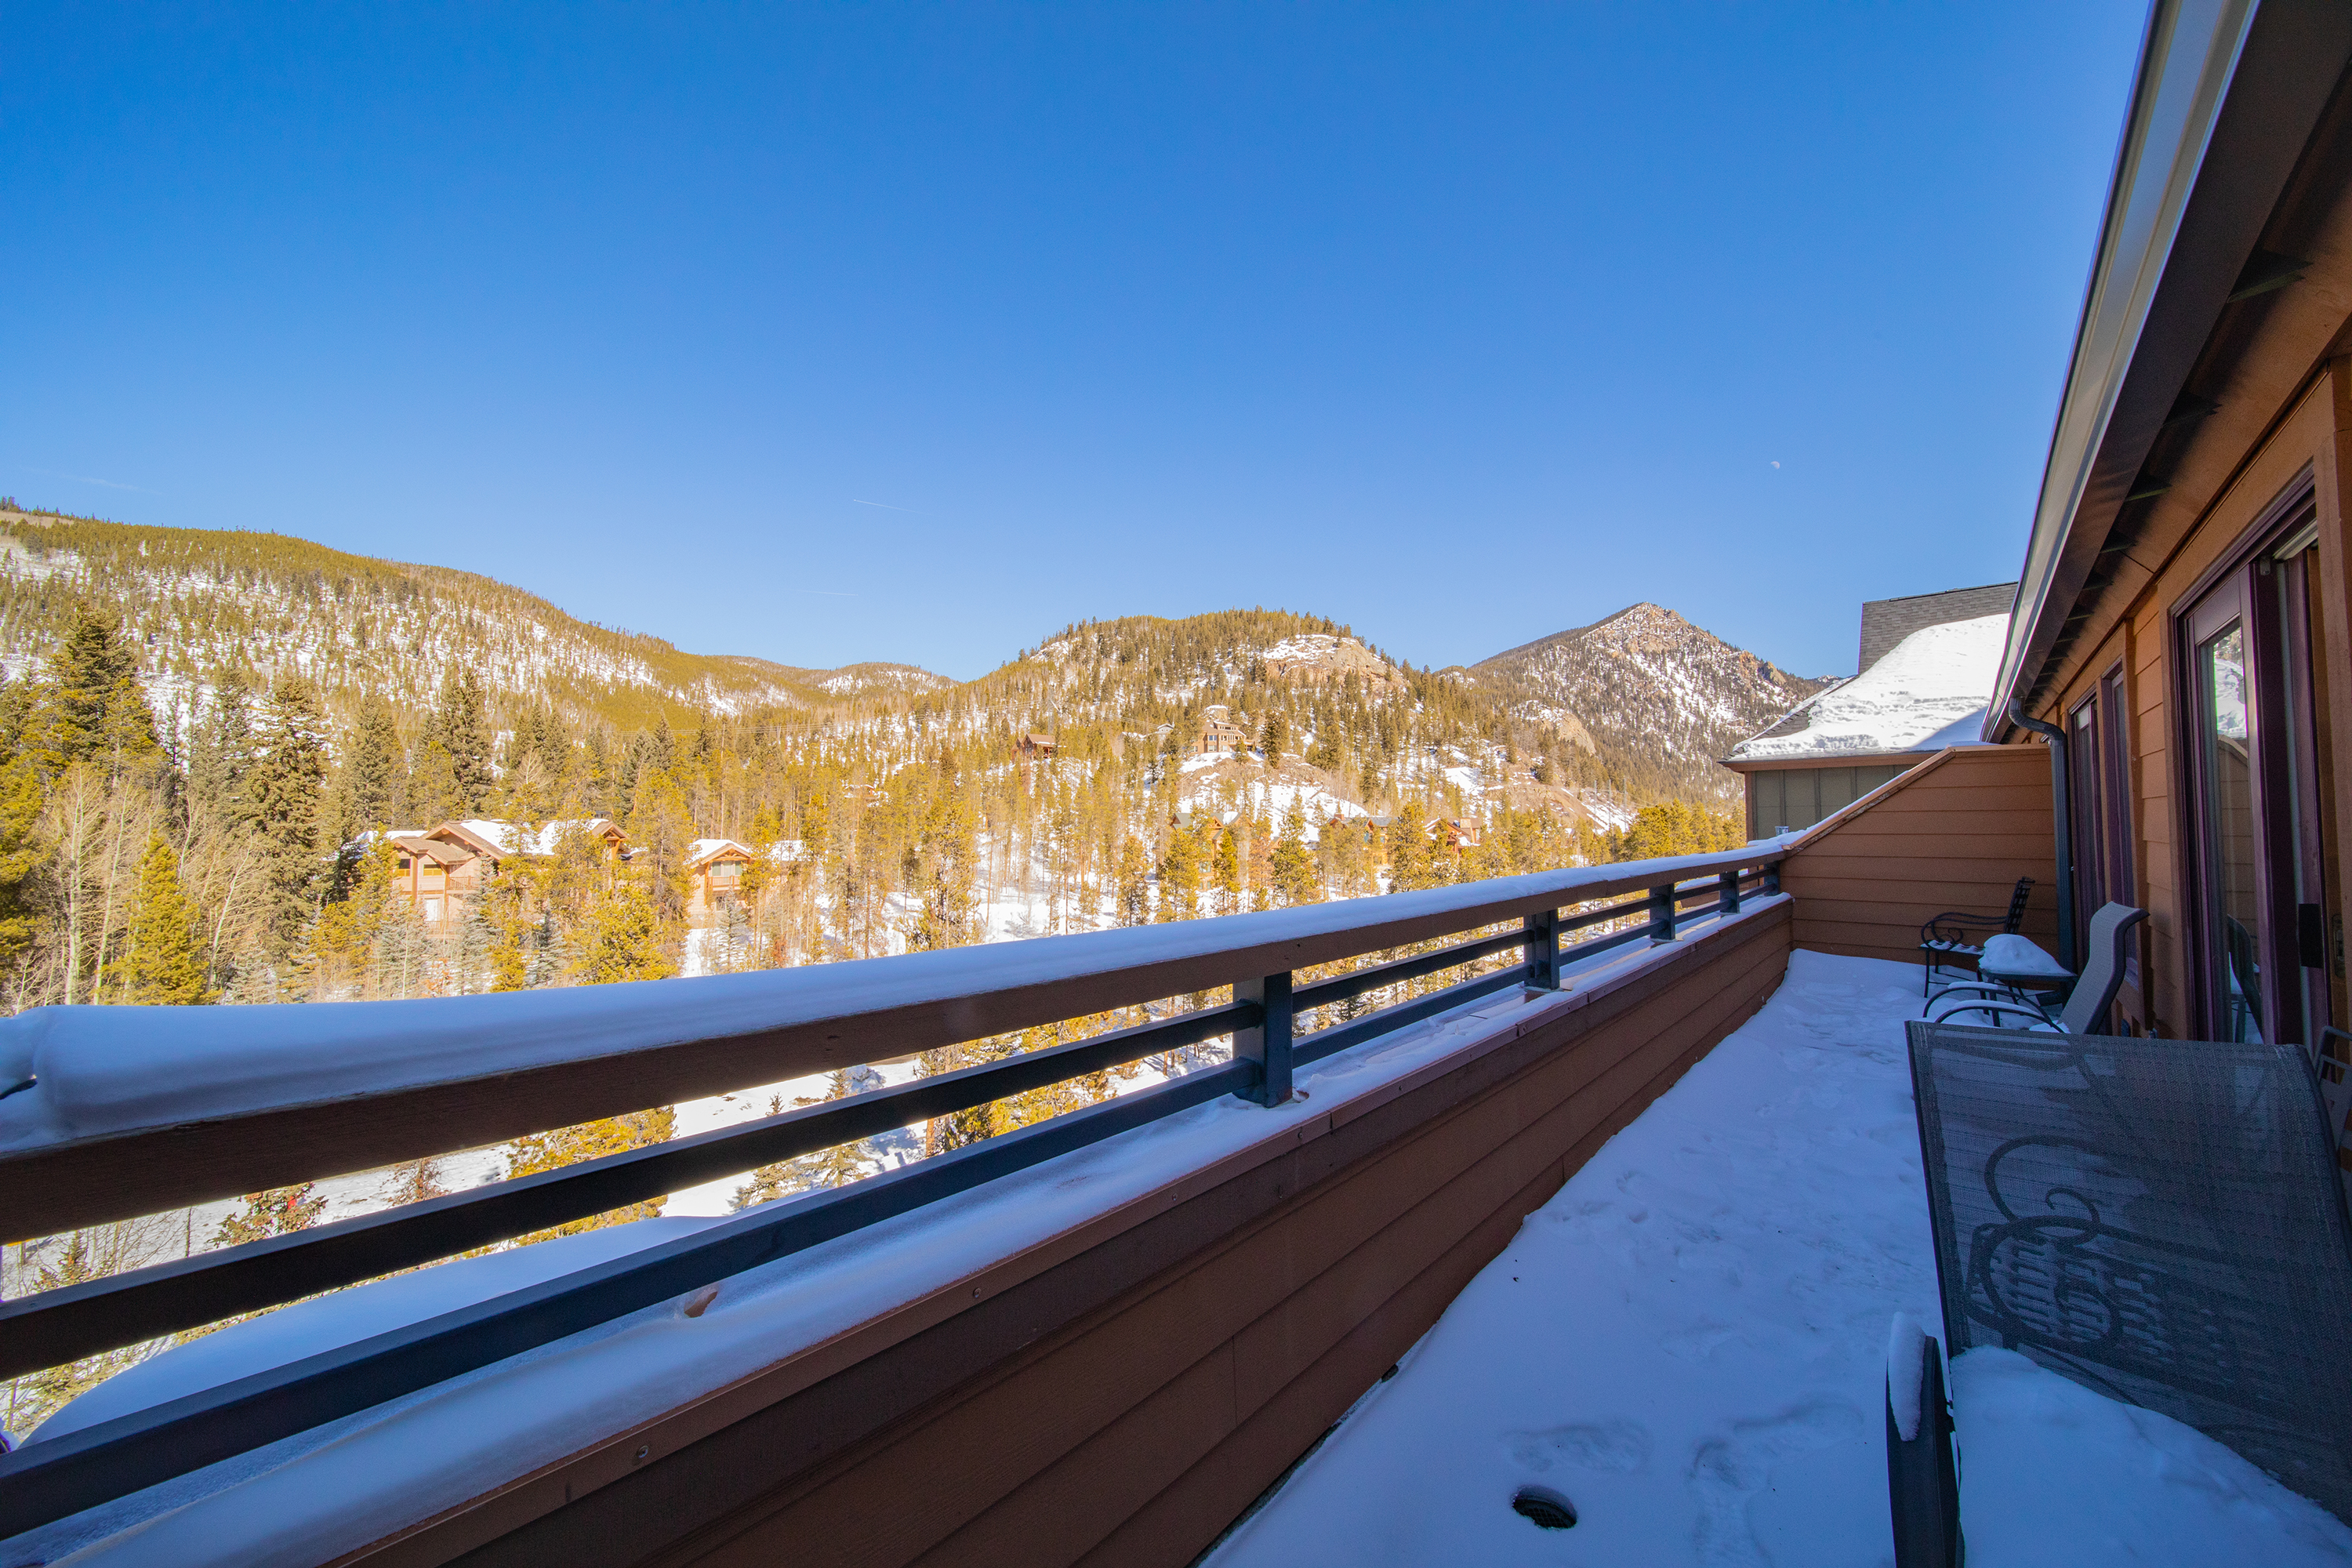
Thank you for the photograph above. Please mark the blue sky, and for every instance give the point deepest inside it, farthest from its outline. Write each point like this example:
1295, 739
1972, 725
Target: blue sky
831, 333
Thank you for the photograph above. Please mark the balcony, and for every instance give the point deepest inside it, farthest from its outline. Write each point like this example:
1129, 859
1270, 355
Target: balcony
1107, 1337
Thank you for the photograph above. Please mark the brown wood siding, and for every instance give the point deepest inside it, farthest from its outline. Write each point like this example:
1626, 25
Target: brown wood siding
1954, 835
1125, 1402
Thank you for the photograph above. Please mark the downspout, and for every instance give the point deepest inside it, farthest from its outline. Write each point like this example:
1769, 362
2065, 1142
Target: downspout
2062, 826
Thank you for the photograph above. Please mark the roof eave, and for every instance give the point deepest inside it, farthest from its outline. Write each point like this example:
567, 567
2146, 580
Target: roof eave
2225, 99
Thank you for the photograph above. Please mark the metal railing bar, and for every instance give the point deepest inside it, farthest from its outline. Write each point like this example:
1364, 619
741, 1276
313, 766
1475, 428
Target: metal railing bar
54, 1327
1606, 912
45, 1481
649, 1048
1323, 1043
1340, 987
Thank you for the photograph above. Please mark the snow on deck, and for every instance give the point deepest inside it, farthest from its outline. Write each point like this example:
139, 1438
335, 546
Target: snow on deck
1689, 1341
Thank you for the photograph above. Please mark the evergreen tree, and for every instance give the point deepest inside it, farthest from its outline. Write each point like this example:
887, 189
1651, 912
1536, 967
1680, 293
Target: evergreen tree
281, 793
624, 938
1293, 863
100, 711
222, 748
164, 963
1274, 737
22, 850
661, 831
464, 731
1134, 882
377, 772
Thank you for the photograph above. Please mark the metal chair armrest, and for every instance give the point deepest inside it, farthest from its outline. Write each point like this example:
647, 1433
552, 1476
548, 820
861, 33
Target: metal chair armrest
1999, 1010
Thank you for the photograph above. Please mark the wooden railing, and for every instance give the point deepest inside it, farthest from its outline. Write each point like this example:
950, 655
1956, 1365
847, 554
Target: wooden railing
659, 1046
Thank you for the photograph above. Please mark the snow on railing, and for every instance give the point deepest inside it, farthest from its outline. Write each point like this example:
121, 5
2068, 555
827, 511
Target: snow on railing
130, 1111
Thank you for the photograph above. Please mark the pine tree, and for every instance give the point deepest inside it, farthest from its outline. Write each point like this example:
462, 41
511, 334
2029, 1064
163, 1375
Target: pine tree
1134, 884
1274, 737
464, 731
377, 772
101, 710
281, 793
164, 965
624, 938
22, 850
504, 913
222, 748
661, 831
1293, 863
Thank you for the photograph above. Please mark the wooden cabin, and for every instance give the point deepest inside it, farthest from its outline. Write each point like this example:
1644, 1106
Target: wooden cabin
1033, 747
1220, 736
1451, 833
715, 868
428, 873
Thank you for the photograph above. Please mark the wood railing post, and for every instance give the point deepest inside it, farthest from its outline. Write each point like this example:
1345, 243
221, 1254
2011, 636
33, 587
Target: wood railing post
1662, 913
1268, 1045
1543, 950
1727, 902
1772, 878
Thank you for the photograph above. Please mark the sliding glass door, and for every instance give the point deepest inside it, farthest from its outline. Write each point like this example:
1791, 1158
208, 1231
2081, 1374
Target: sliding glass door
2259, 957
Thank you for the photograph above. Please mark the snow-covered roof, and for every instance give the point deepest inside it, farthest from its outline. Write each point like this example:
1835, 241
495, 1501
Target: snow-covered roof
1928, 693
703, 849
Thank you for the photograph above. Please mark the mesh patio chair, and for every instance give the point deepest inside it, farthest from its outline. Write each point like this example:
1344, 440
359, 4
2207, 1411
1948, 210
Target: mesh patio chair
1995, 1006
1949, 935
2159, 1220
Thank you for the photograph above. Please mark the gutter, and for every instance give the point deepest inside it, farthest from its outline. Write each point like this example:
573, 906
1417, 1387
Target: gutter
2062, 828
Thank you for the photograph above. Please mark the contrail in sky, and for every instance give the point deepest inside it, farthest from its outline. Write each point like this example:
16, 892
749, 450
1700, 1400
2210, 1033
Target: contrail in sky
886, 506
86, 480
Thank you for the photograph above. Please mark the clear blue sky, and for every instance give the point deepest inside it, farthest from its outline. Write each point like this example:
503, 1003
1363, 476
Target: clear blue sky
830, 333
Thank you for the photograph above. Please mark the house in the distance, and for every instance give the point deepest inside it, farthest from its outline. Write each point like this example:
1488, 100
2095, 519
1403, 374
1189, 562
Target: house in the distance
1220, 736
715, 868
1033, 747
439, 868
1927, 664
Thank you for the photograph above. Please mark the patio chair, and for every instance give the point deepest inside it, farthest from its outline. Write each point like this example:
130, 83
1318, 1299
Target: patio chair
2109, 946
1947, 936
2158, 1220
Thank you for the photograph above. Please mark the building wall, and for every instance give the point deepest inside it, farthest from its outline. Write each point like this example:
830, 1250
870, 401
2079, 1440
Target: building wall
2230, 480
1800, 797
1954, 834
1125, 1401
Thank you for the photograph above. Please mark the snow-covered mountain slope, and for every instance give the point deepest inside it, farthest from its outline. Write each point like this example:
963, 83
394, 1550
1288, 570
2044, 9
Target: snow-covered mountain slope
199, 601
1662, 697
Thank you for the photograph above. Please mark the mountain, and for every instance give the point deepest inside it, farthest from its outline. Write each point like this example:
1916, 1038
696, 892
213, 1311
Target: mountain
1660, 699
1590, 721
198, 601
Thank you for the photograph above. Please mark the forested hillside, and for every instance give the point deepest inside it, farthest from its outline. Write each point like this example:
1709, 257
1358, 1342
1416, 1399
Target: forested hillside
266, 704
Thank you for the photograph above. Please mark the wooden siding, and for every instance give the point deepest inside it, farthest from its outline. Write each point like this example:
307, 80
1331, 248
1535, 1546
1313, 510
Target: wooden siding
1126, 1399
1954, 834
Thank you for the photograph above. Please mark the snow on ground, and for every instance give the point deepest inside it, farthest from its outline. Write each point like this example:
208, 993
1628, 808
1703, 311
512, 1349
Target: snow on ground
1933, 686
1688, 1341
